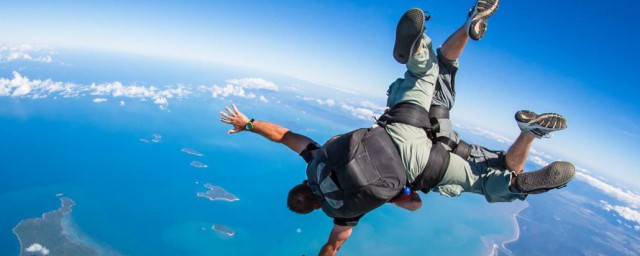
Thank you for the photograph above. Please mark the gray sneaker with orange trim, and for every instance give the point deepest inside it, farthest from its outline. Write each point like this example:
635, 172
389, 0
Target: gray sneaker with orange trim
540, 125
477, 21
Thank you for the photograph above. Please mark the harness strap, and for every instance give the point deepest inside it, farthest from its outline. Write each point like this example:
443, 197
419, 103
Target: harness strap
435, 169
406, 113
438, 112
463, 150
448, 142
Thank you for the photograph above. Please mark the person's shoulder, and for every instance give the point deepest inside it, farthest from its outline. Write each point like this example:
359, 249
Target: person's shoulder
306, 153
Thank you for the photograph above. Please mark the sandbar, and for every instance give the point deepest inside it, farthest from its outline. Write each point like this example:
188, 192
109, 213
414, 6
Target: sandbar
191, 152
197, 164
223, 230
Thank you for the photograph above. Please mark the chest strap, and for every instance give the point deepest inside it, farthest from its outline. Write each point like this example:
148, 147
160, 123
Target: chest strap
406, 113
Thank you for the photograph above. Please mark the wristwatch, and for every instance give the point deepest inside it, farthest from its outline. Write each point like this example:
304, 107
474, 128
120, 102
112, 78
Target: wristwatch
249, 125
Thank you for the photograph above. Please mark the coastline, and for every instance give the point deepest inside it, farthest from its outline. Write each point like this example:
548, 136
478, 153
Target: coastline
13, 230
503, 245
201, 194
61, 221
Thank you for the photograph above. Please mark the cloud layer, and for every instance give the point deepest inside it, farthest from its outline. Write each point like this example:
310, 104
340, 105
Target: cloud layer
25, 52
22, 87
624, 212
241, 88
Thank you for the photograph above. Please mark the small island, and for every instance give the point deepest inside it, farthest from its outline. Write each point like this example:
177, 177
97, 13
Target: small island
217, 193
52, 234
197, 164
223, 230
191, 152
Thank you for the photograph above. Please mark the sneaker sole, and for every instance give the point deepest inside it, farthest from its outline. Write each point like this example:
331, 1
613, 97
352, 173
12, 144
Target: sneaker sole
549, 121
408, 32
553, 176
479, 25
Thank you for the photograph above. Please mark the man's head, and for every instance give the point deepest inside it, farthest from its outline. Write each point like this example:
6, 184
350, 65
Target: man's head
302, 200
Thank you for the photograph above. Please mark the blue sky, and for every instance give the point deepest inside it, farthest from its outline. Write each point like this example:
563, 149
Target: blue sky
573, 57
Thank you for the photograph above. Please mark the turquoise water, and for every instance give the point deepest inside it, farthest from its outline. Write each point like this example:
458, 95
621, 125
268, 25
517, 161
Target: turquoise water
140, 198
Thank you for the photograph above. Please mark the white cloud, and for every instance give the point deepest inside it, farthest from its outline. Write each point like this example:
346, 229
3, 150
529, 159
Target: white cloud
122, 103
25, 52
253, 83
38, 248
624, 212
624, 196
360, 113
241, 88
328, 102
21, 91
162, 101
540, 153
371, 105
489, 135
22, 86
539, 161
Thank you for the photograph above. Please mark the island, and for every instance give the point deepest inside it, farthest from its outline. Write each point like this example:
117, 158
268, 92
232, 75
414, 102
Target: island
223, 230
197, 164
191, 152
53, 234
217, 193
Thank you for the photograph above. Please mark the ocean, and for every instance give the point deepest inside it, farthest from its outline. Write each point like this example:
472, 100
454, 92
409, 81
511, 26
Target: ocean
138, 198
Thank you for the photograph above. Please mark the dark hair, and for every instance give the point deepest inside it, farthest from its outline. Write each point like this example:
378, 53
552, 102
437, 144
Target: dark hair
301, 199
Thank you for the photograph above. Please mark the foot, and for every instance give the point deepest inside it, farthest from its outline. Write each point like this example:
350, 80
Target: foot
408, 34
540, 125
477, 21
553, 176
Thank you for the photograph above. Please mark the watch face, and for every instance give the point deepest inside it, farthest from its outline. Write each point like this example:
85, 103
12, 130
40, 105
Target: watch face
249, 126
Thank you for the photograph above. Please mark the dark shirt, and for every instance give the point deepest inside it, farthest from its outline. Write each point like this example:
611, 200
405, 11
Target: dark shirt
308, 157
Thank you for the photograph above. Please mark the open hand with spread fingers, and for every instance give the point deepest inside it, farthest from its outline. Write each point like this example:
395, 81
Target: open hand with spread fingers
235, 118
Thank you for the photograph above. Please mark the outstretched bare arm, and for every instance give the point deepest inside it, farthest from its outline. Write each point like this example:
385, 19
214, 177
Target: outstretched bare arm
338, 235
272, 132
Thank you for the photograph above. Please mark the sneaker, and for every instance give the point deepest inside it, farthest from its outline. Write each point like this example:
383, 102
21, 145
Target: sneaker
540, 125
477, 21
408, 34
553, 176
